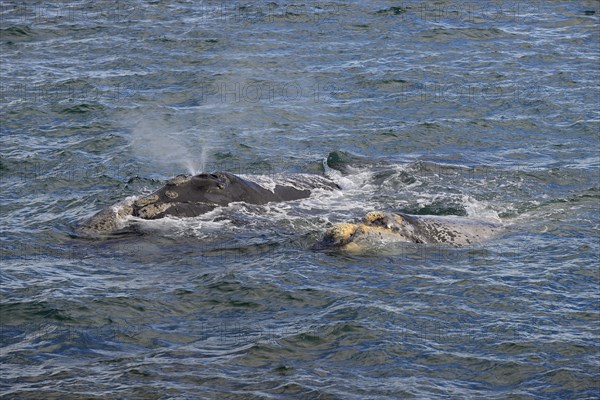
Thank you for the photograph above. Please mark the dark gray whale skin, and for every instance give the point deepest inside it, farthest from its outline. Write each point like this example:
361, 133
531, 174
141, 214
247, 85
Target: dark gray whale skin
190, 196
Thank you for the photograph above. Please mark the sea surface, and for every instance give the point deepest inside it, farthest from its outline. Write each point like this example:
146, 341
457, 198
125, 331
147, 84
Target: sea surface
478, 109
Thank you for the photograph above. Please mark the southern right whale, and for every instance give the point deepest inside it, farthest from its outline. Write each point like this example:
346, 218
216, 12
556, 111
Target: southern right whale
377, 227
191, 196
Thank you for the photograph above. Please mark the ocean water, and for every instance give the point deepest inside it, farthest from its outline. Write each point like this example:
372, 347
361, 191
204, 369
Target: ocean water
478, 109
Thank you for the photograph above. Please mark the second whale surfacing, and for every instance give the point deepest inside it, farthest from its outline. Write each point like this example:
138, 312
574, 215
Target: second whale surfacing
385, 227
191, 196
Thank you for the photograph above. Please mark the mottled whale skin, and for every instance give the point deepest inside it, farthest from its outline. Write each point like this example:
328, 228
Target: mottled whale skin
191, 196
378, 227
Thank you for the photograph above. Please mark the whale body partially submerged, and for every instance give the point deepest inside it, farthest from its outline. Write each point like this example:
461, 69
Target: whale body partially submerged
191, 196
385, 227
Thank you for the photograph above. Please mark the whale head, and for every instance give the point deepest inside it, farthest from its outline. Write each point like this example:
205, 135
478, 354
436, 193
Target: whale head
375, 228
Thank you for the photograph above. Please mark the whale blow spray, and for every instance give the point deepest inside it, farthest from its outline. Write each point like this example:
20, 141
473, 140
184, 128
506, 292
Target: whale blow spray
170, 146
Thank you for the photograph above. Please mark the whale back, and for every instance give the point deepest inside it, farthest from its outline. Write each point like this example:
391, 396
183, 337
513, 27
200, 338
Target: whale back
454, 230
220, 188
191, 196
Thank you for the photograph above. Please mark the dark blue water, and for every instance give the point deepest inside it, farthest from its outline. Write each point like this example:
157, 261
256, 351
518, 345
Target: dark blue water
486, 110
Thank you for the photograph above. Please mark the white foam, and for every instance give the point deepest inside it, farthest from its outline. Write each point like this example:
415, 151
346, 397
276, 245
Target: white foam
479, 209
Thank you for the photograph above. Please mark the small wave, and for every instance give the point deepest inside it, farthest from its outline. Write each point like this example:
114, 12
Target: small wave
81, 108
17, 32
445, 34
395, 10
